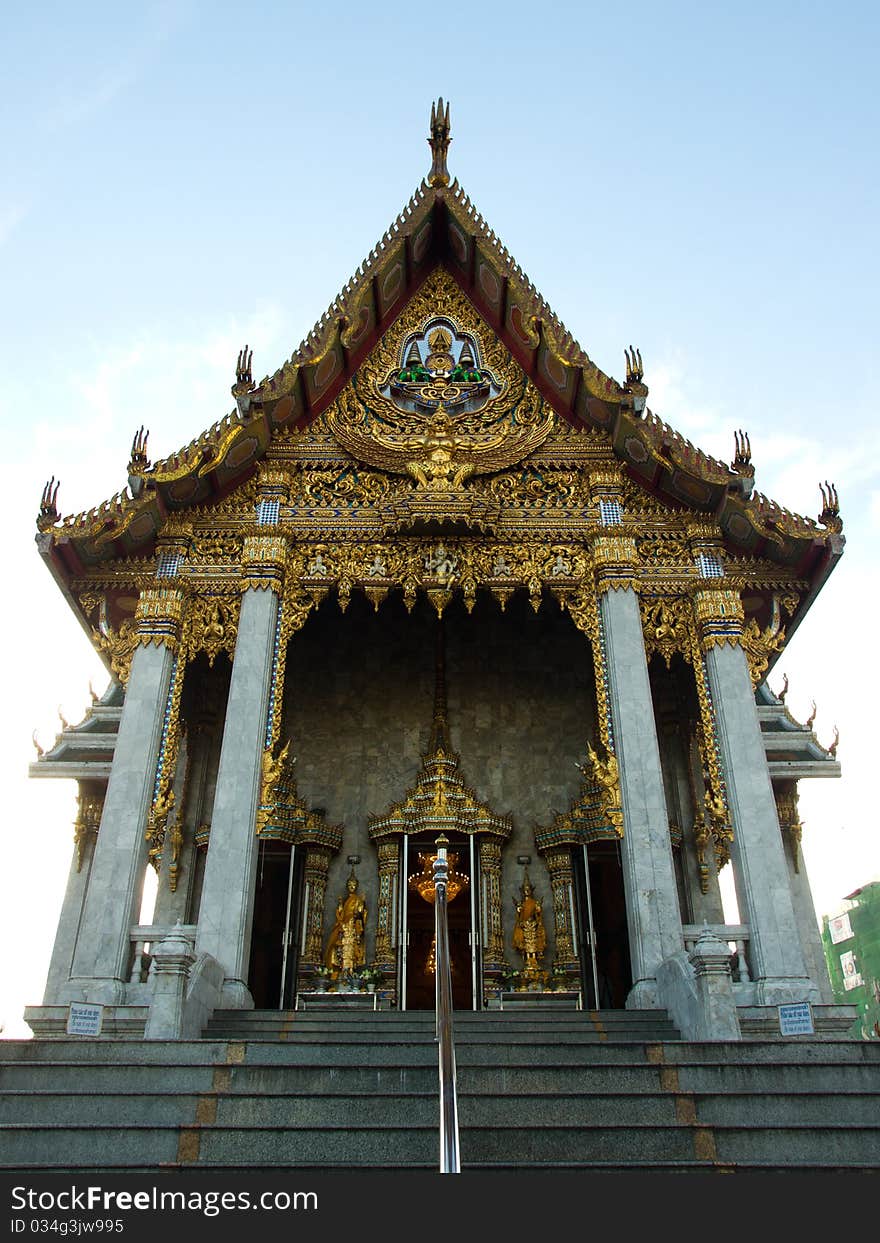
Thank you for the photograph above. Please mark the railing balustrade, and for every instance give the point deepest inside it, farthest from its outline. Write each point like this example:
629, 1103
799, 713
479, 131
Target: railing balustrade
450, 1160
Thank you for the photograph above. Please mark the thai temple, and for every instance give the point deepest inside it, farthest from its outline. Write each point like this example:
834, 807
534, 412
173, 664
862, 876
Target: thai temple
439, 576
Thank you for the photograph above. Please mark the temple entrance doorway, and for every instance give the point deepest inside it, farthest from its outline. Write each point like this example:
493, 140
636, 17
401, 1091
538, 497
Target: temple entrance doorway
275, 943
602, 936
417, 967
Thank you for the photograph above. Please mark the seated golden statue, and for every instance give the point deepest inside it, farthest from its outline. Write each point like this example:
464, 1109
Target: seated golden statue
529, 934
346, 944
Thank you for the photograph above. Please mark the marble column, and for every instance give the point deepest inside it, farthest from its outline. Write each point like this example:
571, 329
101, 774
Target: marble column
760, 871
786, 796
653, 916
227, 903
91, 804
652, 909
99, 970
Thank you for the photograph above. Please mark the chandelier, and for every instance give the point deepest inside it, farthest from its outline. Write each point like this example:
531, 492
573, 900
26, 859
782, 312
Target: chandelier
423, 882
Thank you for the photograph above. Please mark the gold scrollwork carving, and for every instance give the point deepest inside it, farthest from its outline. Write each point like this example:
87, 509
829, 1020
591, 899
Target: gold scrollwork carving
667, 624
158, 616
759, 645
118, 646
614, 559
89, 809
606, 775
788, 812
719, 616
211, 626
583, 608
274, 770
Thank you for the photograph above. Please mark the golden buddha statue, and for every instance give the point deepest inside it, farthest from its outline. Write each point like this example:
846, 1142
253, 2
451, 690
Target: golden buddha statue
346, 947
529, 934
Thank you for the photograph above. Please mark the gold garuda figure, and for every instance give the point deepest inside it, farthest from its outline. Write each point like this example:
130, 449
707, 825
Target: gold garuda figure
529, 934
346, 947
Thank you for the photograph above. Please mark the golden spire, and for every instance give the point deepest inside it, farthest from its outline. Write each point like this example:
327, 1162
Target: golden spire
439, 143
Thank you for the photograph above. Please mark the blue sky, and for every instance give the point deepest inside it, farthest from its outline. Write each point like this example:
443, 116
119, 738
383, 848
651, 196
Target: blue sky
698, 179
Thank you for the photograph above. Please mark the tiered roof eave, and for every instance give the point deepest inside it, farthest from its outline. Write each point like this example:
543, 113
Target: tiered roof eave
440, 225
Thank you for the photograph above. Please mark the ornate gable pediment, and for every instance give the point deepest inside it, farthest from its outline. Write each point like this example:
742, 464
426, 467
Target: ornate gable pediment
439, 388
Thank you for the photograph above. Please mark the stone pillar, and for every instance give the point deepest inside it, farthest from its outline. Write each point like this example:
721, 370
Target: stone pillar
99, 971
561, 881
90, 806
653, 916
317, 866
786, 795
227, 905
386, 914
760, 872
172, 959
716, 1005
490, 904
703, 890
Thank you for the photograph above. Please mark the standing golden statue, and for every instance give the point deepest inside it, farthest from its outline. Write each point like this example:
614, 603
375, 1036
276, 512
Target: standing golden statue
346, 948
529, 934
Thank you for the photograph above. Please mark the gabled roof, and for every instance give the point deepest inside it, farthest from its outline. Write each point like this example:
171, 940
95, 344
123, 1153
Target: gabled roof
441, 226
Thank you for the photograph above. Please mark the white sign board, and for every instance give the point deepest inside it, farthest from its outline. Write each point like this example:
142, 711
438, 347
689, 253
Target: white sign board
84, 1020
851, 976
840, 929
796, 1020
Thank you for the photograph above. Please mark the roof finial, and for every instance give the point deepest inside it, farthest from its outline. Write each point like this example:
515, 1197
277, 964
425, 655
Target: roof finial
439, 143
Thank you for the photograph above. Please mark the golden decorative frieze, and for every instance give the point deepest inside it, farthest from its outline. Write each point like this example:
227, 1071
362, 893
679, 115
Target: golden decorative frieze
118, 647
607, 484
528, 486
614, 559
262, 562
214, 550
163, 804
605, 774
350, 486
158, 616
273, 770
759, 645
210, 626
668, 626
439, 398
666, 549
788, 813
583, 608
719, 616
89, 809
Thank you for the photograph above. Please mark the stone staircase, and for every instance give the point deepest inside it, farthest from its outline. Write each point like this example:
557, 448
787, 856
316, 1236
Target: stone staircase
280, 1091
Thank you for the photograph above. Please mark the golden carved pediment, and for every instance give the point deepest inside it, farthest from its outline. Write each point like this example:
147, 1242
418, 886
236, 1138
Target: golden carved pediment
440, 399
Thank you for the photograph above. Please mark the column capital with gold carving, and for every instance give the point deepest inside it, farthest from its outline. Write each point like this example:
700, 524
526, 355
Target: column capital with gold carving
274, 483
262, 562
719, 616
606, 484
158, 616
615, 559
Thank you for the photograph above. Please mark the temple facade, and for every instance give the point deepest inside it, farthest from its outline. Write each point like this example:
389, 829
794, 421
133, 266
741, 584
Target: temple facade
437, 574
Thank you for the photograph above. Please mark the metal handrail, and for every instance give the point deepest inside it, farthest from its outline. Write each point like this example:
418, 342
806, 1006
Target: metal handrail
450, 1161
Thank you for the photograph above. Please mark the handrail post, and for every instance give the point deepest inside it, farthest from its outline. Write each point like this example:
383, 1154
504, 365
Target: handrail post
450, 1162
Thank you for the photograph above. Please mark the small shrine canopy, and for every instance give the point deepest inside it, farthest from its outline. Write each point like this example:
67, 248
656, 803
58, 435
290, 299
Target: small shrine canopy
441, 227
